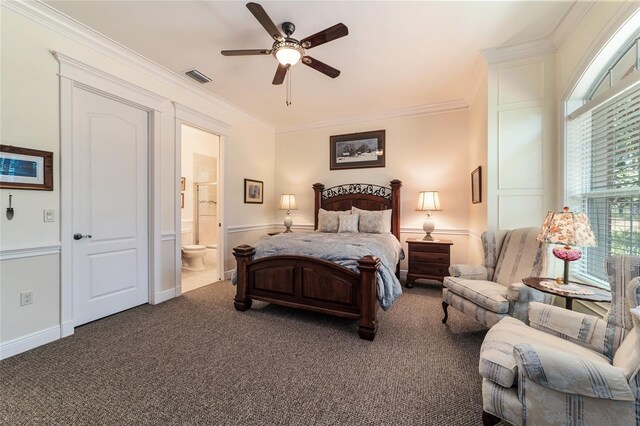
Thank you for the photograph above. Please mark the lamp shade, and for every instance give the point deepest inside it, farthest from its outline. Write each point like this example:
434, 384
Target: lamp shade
288, 202
429, 201
568, 228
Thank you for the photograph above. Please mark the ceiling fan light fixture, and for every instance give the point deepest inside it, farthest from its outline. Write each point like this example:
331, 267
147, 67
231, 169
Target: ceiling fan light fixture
288, 52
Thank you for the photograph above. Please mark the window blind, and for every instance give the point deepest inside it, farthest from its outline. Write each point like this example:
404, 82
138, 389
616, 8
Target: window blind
603, 178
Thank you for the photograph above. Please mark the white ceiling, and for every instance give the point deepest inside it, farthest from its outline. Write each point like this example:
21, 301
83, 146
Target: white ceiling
397, 54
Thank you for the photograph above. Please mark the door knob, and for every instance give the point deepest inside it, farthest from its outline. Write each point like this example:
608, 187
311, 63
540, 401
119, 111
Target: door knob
80, 236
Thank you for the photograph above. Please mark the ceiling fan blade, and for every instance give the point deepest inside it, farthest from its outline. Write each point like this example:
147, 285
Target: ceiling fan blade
325, 36
246, 52
266, 22
281, 72
320, 66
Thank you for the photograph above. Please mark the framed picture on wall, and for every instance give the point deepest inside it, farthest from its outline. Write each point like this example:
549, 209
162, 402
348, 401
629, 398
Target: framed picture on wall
182, 200
253, 191
357, 150
183, 183
476, 185
24, 168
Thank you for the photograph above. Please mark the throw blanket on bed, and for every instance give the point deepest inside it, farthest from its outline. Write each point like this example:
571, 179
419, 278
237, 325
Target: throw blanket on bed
345, 250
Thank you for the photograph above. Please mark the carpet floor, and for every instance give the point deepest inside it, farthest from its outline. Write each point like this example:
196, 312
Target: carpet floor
194, 360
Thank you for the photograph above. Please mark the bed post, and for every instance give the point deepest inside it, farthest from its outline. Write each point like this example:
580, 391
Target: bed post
395, 206
317, 202
243, 255
367, 323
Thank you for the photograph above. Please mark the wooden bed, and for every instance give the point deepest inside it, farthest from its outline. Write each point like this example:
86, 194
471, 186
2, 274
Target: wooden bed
314, 284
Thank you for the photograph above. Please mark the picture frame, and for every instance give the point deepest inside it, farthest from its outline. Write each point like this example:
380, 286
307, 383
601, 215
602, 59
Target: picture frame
357, 150
182, 200
476, 185
25, 168
183, 183
253, 191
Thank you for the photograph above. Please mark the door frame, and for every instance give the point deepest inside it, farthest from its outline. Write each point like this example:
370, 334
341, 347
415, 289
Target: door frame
190, 117
75, 74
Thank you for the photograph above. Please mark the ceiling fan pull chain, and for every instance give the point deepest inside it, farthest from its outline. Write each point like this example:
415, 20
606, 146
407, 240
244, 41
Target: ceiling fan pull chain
288, 101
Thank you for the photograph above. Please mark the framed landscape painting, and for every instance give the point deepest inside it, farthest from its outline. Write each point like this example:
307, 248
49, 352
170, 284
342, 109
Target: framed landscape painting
253, 191
357, 150
24, 168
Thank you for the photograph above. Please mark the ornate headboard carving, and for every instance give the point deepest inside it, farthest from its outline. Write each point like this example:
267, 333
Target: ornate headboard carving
361, 195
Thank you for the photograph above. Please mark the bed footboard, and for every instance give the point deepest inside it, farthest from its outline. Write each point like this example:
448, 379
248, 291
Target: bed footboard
311, 284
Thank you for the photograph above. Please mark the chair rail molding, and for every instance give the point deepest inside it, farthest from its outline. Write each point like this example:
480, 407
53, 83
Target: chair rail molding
30, 250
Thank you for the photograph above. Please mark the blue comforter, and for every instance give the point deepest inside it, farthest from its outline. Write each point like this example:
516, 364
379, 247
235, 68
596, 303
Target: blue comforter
345, 250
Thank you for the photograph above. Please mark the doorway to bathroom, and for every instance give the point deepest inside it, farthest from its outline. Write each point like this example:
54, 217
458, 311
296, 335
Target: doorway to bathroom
199, 207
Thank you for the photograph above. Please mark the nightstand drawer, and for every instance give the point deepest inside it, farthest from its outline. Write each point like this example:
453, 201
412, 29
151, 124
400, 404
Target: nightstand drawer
422, 256
431, 248
430, 269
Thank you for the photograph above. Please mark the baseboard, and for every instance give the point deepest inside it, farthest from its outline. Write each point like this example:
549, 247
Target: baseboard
29, 341
67, 328
227, 274
163, 296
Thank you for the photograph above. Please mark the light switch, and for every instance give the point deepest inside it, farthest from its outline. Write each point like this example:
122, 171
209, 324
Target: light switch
49, 215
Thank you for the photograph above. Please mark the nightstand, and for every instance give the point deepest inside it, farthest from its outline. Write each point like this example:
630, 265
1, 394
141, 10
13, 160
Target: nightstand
428, 260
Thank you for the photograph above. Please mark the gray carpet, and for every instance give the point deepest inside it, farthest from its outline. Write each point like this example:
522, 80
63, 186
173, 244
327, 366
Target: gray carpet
195, 360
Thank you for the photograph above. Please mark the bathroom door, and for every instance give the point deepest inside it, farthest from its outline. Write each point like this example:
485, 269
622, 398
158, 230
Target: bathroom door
110, 211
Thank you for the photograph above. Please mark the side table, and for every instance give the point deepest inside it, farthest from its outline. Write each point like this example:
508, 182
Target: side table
428, 260
599, 295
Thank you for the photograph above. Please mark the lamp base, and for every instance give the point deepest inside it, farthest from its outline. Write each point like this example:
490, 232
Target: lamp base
287, 230
566, 254
288, 221
428, 237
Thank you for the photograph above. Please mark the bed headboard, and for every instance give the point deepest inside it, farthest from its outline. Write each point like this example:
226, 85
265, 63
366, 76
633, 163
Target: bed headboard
361, 195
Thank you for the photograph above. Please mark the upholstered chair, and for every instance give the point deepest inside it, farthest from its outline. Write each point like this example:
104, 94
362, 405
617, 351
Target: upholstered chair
494, 290
568, 368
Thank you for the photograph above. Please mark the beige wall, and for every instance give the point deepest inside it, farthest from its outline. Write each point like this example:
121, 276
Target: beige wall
427, 152
478, 157
30, 118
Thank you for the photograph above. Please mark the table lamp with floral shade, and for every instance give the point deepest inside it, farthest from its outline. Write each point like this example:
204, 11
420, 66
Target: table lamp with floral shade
569, 229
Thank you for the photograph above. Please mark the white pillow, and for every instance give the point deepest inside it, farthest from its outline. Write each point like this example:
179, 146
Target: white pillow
348, 223
328, 220
370, 226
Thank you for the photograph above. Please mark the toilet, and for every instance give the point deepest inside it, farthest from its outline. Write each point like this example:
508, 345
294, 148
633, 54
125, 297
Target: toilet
193, 257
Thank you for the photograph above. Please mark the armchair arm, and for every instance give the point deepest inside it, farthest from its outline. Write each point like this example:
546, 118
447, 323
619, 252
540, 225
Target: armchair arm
470, 272
565, 372
518, 292
582, 329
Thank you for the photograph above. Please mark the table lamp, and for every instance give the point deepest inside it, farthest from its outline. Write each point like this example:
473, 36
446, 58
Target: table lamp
288, 202
428, 201
569, 229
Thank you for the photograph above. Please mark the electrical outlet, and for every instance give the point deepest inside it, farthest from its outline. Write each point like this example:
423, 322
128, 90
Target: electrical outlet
26, 298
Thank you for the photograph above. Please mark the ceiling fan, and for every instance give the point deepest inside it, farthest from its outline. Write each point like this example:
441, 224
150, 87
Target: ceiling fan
289, 51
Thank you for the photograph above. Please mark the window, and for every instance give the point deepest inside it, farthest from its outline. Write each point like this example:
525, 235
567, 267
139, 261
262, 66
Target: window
603, 163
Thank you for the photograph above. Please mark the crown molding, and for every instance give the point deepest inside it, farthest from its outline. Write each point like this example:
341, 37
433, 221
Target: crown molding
56, 21
514, 52
478, 74
437, 107
569, 22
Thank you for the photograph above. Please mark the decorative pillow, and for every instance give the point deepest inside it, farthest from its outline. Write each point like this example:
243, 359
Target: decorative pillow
372, 222
386, 219
348, 223
328, 220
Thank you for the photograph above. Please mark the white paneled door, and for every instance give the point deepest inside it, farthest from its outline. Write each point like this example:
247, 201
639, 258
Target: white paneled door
110, 206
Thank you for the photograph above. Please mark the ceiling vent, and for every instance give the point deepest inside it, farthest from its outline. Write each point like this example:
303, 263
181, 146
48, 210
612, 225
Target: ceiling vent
198, 76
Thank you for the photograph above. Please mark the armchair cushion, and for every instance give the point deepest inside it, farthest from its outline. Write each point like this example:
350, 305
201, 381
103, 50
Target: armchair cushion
489, 295
469, 272
521, 256
497, 362
627, 356
562, 322
566, 372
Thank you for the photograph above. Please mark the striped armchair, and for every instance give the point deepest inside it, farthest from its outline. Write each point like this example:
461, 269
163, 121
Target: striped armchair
495, 290
568, 368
